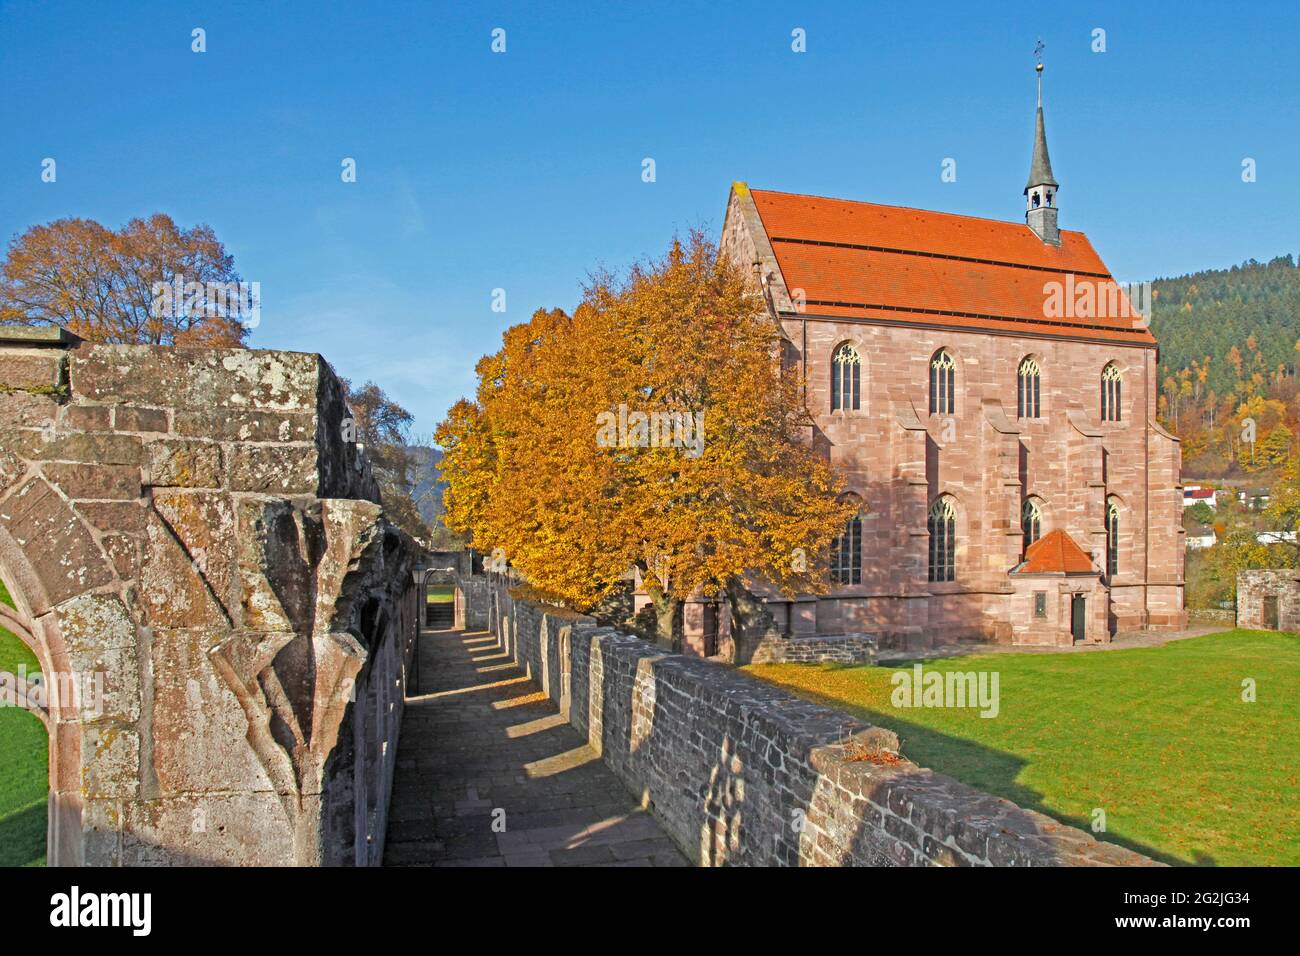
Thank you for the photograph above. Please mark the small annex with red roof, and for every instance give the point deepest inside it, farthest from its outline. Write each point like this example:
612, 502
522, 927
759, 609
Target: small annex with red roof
1056, 584
1055, 553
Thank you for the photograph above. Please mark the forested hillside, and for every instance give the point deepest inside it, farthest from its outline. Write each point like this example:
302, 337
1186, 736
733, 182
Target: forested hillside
1228, 357
426, 487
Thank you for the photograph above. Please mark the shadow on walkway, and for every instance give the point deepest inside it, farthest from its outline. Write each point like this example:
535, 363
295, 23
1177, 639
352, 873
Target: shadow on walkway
489, 774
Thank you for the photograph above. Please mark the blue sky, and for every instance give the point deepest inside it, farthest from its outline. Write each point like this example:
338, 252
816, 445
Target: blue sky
522, 170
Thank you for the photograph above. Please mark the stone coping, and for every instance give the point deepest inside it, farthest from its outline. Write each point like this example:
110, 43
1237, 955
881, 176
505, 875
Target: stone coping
36, 335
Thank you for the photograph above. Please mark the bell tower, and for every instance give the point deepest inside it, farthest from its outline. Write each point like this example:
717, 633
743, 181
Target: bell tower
1040, 191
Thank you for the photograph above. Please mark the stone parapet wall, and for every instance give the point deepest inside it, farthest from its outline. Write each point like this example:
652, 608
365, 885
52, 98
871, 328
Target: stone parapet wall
475, 595
841, 649
198, 530
741, 773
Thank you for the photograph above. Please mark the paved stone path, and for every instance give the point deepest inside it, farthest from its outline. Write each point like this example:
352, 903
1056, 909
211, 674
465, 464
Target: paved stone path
480, 737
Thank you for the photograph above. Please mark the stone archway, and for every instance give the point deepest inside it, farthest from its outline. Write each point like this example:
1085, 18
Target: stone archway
58, 704
444, 599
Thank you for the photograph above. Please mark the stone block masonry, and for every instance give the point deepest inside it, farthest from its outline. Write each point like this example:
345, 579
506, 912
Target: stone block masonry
193, 529
839, 649
741, 773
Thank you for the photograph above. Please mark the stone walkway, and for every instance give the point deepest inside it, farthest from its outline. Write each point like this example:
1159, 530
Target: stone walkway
480, 738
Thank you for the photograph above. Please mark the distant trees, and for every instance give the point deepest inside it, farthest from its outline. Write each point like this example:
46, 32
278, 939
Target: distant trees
1211, 573
104, 285
1241, 546
653, 428
382, 427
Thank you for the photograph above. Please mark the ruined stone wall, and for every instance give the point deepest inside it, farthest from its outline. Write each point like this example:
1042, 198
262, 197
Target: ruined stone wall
1253, 587
194, 528
730, 764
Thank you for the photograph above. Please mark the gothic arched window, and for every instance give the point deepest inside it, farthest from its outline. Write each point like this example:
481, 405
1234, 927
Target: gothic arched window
846, 378
942, 525
943, 384
846, 553
1112, 538
1111, 380
1028, 388
1031, 522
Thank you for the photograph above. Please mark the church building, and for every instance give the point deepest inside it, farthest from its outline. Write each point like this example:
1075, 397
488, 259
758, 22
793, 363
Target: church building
988, 393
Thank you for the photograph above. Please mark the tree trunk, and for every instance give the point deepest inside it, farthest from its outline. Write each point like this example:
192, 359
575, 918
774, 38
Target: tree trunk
669, 618
669, 610
751, 621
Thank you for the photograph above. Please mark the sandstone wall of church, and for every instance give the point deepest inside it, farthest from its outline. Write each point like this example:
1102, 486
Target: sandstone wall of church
898, 459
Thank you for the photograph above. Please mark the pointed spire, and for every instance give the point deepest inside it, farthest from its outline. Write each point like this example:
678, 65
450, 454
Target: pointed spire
1040, 167
1040, 191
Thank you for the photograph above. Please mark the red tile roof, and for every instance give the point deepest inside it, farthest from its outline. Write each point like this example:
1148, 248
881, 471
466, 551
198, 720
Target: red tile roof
1056, 553
863, 260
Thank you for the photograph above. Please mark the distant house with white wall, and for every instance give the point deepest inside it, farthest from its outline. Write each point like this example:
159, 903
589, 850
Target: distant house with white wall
1201, 537
1275, 537
1194, 494
1254, 500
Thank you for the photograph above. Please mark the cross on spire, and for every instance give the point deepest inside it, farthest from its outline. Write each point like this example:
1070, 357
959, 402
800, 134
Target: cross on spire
1038, 55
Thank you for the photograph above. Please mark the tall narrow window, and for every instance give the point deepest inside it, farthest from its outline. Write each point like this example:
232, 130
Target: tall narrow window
943, 540
943, 380
1031, 522
1112, 538
846, 379
846, 554
1111, 380
1028, 386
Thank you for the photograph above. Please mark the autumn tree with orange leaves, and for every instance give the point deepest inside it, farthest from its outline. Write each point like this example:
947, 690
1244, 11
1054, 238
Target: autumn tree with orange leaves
103, 285
652, 429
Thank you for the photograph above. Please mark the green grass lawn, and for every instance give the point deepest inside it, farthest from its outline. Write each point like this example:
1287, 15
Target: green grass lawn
1159, 738
440, 595
24, 766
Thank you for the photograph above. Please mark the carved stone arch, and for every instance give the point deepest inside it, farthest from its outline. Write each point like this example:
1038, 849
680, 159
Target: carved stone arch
848, 375
25, 694
852, 495
1110, 384
943, 381
1033, 520
37, 624
946, 542
443, 572
1113, 520
1030, 371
